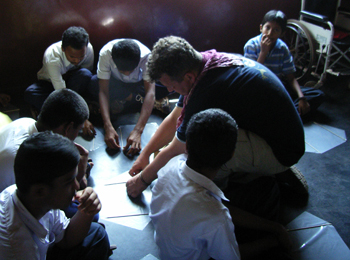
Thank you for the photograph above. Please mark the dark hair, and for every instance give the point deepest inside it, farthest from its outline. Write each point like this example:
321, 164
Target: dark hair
211, 138
171, 55
126, 55
276, 16
42, 158
75, 37
63, 106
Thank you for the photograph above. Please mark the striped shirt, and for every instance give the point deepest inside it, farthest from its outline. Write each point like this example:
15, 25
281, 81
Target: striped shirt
279, 60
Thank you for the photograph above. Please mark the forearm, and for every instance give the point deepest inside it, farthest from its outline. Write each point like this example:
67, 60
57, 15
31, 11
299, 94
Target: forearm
146, 111
262, 57
164, 134
292, 81
104, 102
77, 230
175, 148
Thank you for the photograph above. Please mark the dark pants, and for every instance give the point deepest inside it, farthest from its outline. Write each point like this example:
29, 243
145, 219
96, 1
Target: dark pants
315, 97
95, 246
119, 90
77, 80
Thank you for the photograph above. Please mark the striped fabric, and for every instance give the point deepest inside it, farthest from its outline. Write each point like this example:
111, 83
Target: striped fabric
279, 60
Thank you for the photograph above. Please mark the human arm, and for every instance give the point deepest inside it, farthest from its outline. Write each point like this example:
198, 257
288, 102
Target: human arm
134, 139
80, 223
265, 46
279, 235
161, 137
304, 106
111, 136
82, 166
136, 185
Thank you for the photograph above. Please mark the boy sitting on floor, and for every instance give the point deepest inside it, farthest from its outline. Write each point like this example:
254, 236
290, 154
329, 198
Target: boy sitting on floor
32, 226
269, 50
190, 219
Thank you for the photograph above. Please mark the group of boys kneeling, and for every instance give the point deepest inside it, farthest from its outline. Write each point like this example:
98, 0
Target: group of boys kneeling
190, 219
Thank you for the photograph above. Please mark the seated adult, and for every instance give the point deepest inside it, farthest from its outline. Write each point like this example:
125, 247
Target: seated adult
64, 112
119, 83
66, 64
270, 140
32, 224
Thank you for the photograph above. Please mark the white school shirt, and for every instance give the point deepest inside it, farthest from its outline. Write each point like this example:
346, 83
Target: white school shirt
11, 137
21, 235
189, 218
106, 66
55, 64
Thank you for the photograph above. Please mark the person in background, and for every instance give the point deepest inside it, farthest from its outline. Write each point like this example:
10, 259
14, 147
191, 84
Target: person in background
66, 64
120, 84
268, 49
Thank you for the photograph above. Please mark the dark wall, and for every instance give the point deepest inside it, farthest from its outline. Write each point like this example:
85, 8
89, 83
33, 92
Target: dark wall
28, 27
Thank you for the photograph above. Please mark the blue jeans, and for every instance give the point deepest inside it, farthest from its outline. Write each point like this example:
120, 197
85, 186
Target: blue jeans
77, 80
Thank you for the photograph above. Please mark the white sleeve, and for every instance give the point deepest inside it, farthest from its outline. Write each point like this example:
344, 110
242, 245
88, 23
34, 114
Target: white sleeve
222, 243
54, 70
60, 224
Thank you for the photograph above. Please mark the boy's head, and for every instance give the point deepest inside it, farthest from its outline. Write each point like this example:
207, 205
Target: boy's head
276, 16
126, 55
64, 107
48, 160
74, 43
273, 24
172, 56
211, 138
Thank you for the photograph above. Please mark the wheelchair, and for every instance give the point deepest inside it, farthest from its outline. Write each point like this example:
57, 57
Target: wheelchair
320, 40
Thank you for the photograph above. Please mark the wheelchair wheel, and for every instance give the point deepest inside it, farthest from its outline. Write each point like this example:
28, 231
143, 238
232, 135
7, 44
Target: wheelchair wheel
302, 47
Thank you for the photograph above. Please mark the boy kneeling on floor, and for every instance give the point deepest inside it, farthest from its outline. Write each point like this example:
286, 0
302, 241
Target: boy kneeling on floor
32, 226
190, 220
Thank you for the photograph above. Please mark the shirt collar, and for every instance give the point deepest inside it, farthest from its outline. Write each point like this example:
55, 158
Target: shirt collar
32, 223
204, 182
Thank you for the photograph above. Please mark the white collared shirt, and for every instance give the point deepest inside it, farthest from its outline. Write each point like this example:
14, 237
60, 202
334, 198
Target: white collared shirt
11, 137
106, 65
189, 218
55, 64
21, 235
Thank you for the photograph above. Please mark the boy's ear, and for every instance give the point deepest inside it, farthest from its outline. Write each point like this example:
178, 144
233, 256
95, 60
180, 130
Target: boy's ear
191, 77
68, 127
39, 190
261, 27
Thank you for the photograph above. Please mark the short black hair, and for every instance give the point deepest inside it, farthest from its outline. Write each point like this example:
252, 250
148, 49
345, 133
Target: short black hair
126, 55
63, 106
276, 16
76, 37
42, 158
211, 138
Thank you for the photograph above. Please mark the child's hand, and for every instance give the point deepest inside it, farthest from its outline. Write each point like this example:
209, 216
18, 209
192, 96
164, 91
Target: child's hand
265, 44
89, 202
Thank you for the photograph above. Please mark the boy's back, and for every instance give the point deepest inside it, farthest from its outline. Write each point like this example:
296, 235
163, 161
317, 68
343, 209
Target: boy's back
189, 218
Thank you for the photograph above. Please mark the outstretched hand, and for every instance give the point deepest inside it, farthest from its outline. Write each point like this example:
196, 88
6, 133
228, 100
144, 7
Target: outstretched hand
112, 138
135, 186
88, 129
133, 143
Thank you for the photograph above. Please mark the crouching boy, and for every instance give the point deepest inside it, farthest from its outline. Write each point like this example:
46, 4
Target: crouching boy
32, 224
